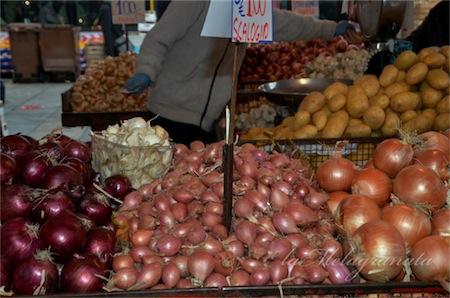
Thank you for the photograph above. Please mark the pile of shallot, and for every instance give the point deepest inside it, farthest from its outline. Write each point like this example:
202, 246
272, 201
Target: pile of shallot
172, 234
56, 231
394, 212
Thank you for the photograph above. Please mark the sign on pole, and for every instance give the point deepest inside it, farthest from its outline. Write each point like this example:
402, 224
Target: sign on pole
128, 11
252, 21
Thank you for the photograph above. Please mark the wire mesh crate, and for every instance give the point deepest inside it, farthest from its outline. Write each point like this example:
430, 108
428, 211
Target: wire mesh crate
316, 151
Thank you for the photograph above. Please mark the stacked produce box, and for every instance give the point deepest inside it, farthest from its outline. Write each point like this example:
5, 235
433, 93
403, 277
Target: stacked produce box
411, 94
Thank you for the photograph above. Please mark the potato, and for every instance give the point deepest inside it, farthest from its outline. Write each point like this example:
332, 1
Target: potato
434, 60
417, 73
313, 102
430, 97
401, 76
391, 124
336, 124
443, 106
424, 85
369, 83
282, 133
446, 65
445, 50
389, 75
374, 117
438, 79
354, 121
380, 100
358, 131
430, 113
404, 101
336, 102
335, 88
408, 115
442, 122
306, 132
319, 119
425, 52
301, 119
357, 102
405, 60
395, 88
419, 124
287, 122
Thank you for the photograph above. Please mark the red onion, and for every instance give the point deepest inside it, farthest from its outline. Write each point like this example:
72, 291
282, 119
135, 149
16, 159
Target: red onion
65, 234
279, 249
132, 201
5, 274
209, 196
51, 149
77, 150
278, 199
235, 247
16, 146
19, 240
301, 214
101, 243
225, 263
35, 276
16, 201
278, 271
51, 205
307, 252
315, 274
297, 240
315, 199
34, 167
261, 203
59, 138
96, 207
64, 178
80, 275
179, 211
81, 167
8, 169
331, 249
196, 235
118, 186
212, 246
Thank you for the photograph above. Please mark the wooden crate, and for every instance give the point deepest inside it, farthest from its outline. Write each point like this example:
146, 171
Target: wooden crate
97, 121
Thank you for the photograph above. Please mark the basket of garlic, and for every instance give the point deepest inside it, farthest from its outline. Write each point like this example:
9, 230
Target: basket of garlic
134, 148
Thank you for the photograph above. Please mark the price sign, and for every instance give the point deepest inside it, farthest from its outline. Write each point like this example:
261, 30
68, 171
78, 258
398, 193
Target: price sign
128, 11
252, 21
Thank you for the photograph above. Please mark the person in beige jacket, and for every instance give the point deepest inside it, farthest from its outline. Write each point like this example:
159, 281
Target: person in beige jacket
190, 75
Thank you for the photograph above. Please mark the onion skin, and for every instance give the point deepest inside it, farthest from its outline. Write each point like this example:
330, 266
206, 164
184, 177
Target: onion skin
52, 205
101, 243
78, 150
430, 259
8, 169
34, 168
355, 211
440, 223
435, 140
412, 224
28, 275
373, 184
379, 251
392, 155
16, 201
435, 160
419, 185
118, 186
335, 198
336, 174
79, 275
19, 240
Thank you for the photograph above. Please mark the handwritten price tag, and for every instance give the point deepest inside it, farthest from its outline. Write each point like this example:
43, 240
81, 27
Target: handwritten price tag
128, 11
252, 21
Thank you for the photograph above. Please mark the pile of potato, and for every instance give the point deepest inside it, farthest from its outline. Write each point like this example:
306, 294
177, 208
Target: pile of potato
412, 94
100, 88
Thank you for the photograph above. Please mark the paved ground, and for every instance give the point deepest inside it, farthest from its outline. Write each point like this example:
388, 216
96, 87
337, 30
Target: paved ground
35, 109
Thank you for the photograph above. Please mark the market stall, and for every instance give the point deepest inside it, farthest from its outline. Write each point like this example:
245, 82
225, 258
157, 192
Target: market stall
337, 187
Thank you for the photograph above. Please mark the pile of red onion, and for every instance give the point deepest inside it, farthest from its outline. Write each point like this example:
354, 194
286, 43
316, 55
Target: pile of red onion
384, 210
282, 232
283, 60
53, 218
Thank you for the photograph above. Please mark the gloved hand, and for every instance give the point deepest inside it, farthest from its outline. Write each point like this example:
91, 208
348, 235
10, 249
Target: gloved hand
342, 27
137, 83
